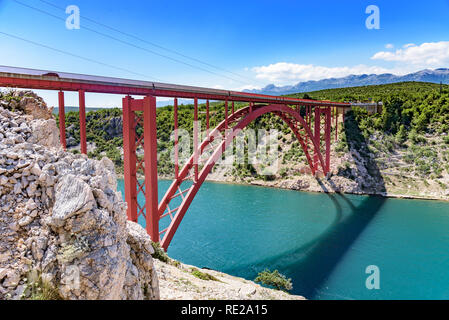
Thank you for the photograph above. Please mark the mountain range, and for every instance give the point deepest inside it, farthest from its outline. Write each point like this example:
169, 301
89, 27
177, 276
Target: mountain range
427, 75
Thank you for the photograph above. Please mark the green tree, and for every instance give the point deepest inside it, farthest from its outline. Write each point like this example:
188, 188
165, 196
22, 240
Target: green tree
391, 114
401, 135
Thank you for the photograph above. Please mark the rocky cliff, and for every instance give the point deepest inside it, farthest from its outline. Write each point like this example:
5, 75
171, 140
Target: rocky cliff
63, 227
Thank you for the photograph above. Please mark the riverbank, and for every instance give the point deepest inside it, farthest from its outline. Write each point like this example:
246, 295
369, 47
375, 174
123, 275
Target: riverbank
317, 186
368, 168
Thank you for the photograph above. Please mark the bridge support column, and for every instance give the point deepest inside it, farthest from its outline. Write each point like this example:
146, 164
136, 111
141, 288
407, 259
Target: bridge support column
226, 114
148, 164
61, 111
195, 140
151, 187
82, 115
327, 135
207, 117
336, 124
129, 158
317, 137
307, 123
175, 117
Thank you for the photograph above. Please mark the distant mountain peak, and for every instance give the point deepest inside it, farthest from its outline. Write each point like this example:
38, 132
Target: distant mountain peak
426, 75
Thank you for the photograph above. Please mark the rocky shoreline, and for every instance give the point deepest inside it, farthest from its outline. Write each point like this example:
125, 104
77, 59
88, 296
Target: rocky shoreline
285, 185
181, 282
296, 186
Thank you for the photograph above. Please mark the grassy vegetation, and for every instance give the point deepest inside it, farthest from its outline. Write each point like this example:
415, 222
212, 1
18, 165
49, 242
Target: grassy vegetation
38, 289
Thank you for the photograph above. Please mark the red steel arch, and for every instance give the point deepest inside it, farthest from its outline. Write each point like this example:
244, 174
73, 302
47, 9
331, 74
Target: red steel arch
142, 112
242, 118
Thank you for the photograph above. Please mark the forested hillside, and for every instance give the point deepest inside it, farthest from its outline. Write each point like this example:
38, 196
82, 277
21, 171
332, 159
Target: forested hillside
415, 105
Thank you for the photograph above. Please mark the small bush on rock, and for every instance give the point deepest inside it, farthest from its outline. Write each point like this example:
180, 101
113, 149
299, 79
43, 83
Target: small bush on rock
202, 275
274, 279
159, 253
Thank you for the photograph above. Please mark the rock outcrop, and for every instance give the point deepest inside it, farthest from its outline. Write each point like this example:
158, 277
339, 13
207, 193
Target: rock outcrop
62, 219
29, 103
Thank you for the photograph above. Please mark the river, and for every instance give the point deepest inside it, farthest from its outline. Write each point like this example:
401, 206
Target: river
323, 242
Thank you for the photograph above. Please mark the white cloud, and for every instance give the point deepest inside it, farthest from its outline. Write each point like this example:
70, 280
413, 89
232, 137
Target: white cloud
410, 58
164, 99
246, 87
283, 72
429, 54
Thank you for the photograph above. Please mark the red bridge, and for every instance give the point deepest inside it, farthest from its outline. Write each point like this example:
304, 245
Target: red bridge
313, 131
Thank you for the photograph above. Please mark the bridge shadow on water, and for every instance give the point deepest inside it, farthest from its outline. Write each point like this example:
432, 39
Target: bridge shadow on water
312, 263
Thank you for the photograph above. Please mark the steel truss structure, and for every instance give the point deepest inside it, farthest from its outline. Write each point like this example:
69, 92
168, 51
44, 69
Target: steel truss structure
310, 121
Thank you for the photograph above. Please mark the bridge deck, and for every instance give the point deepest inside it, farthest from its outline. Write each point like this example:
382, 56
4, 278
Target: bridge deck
54, 80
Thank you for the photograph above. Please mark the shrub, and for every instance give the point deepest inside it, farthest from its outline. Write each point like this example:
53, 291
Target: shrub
342, 146
401, 135
159, 253
283, 173
415, 137
115, 156
274, 279
202, 275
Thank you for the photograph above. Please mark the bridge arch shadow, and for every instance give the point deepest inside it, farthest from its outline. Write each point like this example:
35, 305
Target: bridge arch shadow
314, 262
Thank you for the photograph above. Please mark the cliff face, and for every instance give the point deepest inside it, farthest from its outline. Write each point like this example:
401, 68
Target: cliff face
63, 227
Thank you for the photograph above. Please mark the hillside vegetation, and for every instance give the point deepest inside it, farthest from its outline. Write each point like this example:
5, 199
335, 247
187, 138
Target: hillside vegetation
407, 143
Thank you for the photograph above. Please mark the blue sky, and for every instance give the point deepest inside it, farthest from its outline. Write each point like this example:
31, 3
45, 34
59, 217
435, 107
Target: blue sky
259, 42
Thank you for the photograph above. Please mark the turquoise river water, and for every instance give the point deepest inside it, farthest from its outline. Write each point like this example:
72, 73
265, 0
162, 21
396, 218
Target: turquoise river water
323, 242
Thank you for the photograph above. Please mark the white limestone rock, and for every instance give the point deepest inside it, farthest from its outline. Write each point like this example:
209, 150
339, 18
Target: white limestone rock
45, 133
73, 196
62, 218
